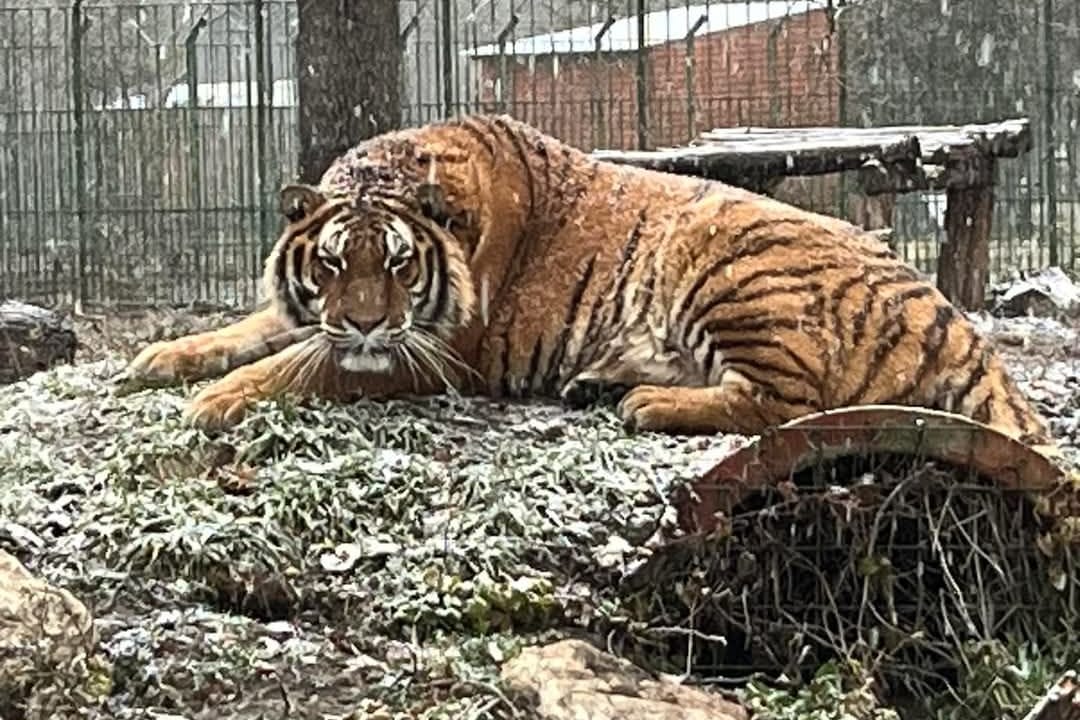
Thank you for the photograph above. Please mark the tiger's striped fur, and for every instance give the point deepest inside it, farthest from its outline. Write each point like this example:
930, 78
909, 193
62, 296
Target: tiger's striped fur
482, 254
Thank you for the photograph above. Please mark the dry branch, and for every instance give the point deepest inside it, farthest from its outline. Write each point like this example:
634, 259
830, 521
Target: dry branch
1061, 702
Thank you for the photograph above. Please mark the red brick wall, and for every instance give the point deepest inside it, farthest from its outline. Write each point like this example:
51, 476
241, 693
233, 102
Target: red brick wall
589, 103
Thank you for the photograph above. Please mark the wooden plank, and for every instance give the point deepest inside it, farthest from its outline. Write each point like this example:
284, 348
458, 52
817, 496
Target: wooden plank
900, 158
755, 165
1008, 138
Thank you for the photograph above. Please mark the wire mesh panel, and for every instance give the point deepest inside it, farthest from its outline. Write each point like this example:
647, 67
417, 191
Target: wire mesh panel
141, 142
139, 146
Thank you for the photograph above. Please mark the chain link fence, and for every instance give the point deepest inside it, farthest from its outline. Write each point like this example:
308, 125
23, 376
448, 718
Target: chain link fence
142, 143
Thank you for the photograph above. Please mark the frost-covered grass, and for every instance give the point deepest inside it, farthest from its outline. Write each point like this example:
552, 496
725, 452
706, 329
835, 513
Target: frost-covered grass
324, 560
331, 531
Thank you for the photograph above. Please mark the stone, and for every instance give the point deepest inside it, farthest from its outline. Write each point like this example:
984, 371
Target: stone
32, 339
1045, 293
43, 629
572, 680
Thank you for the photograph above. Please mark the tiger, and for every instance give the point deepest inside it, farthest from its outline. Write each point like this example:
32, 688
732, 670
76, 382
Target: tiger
480, 256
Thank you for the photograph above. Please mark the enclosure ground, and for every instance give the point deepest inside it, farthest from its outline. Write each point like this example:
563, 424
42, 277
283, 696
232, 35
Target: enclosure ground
325, 560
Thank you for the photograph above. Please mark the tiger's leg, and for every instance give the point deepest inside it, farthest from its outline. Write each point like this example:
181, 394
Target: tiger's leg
736, 406
210, 354
303, 370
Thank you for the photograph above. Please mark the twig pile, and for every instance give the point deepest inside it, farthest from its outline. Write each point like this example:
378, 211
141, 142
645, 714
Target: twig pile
906, 568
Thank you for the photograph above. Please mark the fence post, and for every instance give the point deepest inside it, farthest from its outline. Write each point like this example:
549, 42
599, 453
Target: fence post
448, 61
195, 151
403, 43
642, 81
260, 134
691, 109
80, 153
192, 68
599, 123
1049, 82
771, 61
503, 35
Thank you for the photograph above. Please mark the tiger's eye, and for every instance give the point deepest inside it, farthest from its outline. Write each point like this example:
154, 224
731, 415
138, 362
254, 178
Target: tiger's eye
404, 268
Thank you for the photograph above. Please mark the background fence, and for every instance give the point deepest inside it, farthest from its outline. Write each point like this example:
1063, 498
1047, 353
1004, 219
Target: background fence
142, 143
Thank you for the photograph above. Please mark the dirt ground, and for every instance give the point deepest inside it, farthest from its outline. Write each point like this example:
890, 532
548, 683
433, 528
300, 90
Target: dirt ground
332, 562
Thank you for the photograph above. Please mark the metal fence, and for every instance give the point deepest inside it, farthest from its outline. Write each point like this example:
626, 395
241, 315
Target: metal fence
141, 143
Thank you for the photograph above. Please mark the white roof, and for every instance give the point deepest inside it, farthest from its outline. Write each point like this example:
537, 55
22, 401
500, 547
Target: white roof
283, 93
660, 27
232, 94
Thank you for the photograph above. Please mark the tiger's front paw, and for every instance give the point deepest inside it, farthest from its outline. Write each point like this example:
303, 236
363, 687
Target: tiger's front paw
584, 391
650, 408
221, 405
171, 362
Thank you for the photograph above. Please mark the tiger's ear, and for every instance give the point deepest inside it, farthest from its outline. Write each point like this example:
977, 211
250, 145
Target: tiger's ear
296, 202
432, 199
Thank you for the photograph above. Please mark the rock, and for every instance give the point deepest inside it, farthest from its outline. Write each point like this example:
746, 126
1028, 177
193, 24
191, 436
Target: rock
43, 630
571, 679
32, 338
1047, 292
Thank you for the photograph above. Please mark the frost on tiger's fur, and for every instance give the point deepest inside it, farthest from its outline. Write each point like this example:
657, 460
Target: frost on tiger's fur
483, 256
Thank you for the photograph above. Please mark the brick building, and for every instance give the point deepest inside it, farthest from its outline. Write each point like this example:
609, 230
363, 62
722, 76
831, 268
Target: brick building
763, 62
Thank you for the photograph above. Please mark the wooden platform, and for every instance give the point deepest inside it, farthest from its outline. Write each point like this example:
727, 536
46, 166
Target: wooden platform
898, 159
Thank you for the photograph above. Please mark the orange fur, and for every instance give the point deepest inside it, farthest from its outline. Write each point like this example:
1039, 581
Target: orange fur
708, 308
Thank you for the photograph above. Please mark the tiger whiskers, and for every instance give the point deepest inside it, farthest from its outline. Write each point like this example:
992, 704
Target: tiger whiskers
404, 353
309, 362
432, 359
438, 356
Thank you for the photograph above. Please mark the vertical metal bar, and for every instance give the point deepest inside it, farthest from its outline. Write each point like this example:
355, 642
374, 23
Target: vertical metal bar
403, 43
642, 81
839, 37
691, 109
195, 157
447, 60
599, 123
80, 153
17, 202
1048, 130
260, 135
254, 244
772, 76
503, 35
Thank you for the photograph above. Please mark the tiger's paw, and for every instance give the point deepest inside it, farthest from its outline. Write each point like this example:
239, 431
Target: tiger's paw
171, 362
221, 405
652, 408
584, 391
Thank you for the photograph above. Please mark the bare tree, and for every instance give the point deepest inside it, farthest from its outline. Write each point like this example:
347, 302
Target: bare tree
348, 61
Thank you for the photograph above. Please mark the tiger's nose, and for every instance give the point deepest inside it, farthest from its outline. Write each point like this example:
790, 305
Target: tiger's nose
366, 325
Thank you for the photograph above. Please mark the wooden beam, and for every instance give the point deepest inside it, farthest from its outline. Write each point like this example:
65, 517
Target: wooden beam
756, 165
963, 266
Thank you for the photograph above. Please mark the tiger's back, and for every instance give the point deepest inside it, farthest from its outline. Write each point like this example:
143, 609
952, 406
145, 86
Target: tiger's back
638, 278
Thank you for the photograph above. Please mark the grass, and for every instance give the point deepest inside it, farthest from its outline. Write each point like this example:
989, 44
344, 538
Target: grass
382, 560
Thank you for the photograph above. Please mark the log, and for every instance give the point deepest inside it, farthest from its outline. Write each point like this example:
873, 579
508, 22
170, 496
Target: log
32, 338
963, 266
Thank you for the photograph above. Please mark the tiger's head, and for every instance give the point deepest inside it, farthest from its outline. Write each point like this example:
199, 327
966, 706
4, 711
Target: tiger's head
384, 279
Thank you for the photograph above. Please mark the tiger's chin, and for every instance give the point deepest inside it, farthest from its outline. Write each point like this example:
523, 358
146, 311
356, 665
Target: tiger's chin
366, 361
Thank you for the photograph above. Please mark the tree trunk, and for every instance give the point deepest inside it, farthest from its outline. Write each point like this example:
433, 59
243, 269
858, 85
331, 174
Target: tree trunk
349, 61
32, 339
